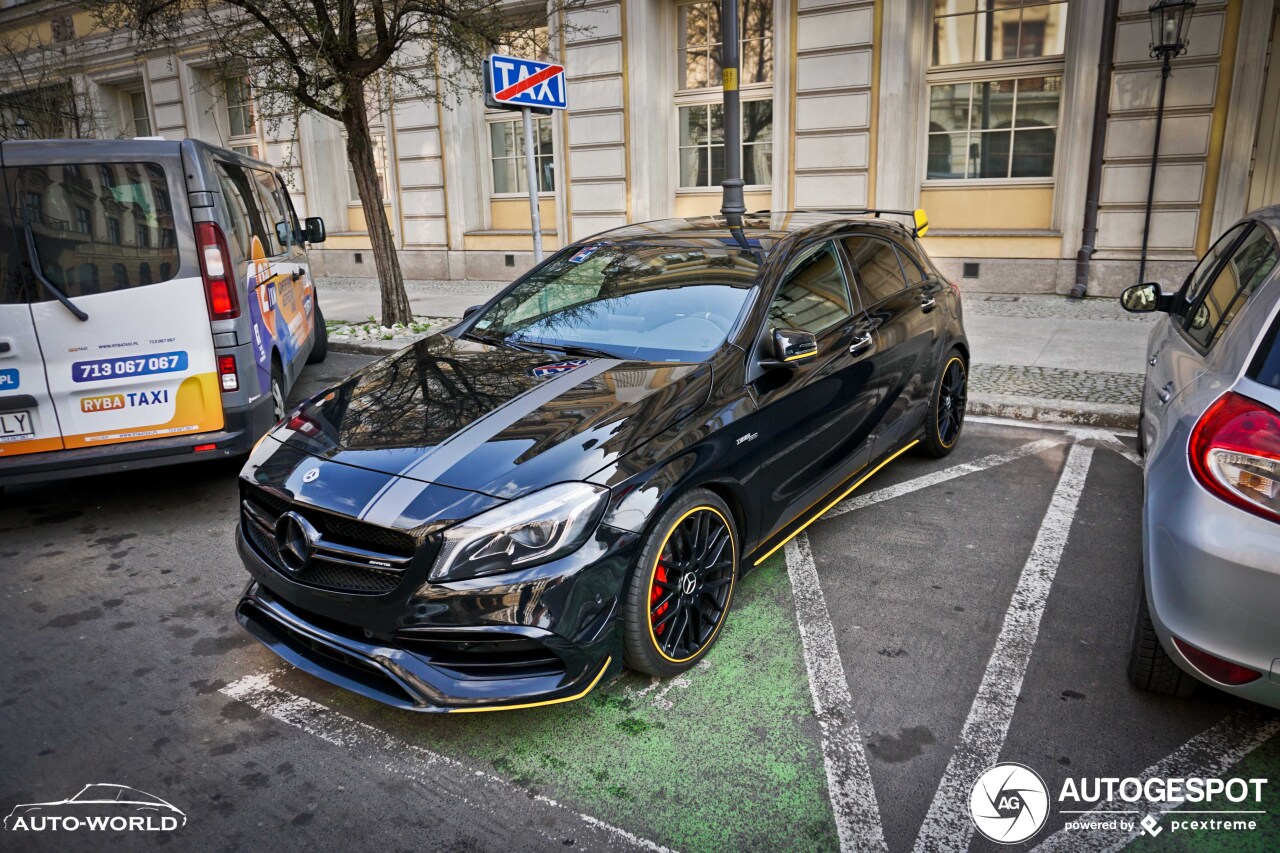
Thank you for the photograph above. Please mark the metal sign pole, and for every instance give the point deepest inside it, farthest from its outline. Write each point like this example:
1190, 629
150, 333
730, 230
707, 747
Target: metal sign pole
531, 174
732, 204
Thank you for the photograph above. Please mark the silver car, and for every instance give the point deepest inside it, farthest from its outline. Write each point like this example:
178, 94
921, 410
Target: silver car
1209, 604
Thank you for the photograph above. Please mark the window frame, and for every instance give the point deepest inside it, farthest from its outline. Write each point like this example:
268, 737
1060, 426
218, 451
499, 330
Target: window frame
993, 71
247, 144
133, 117
492, 117
714, 95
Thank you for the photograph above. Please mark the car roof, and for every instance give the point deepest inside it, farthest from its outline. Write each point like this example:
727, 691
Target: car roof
762, 230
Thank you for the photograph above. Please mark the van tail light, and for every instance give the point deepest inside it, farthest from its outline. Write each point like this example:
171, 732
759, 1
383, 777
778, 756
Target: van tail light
227, 375
1221, 671
1235, 454
215, 267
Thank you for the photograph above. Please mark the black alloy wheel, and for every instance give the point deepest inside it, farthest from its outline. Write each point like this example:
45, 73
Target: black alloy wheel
682, 587
946, 410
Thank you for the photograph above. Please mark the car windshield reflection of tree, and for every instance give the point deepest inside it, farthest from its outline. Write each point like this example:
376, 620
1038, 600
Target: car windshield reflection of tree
650, 303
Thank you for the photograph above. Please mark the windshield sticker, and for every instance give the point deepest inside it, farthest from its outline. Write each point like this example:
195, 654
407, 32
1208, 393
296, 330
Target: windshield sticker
542, 371
483, 324
583, 254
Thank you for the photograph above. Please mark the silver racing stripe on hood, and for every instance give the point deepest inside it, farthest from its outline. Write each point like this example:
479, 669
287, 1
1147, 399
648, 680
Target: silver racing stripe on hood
386, 507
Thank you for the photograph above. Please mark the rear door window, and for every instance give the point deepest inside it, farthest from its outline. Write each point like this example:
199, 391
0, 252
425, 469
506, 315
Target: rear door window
249, 217
1251, 261
276, 208
97, 228
876, 264
911, 268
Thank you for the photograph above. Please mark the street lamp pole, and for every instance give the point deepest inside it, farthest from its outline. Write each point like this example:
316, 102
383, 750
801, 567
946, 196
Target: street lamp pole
733, 205
1170, 21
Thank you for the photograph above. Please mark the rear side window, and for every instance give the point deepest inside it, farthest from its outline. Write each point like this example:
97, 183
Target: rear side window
910, 266
276, 208
1202, 275
876, 264
250, 217
96, 228
1249, 264
1266, 364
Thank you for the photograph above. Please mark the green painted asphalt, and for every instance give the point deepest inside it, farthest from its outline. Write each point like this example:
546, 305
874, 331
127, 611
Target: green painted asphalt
734, 762
1262, 763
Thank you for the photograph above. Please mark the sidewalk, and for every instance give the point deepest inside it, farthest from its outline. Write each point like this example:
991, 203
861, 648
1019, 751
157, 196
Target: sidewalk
1041, 358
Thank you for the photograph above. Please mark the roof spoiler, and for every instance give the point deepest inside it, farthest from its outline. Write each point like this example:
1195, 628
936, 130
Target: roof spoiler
919, 219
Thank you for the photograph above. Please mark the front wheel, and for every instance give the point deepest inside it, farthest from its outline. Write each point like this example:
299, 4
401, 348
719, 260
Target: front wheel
277, 392
319, 339
680, 590
946, 407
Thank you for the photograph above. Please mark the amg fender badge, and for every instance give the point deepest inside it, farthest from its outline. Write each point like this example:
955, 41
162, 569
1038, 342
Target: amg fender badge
751, 436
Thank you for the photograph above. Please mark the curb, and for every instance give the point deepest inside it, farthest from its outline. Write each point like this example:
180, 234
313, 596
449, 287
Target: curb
370, 348
1013, 407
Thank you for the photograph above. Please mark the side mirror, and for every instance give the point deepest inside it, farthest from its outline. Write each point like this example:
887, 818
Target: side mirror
314, 228
284, 234
790, 347
473, 309
1144, 298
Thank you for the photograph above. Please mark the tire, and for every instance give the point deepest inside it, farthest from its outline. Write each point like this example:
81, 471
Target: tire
320, 337
1142, 416
945, 420
661, 604
277, 393
1150, 667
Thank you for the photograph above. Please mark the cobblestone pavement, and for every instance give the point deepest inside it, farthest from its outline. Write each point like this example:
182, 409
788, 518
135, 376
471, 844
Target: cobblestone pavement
1008, 305
1056, 383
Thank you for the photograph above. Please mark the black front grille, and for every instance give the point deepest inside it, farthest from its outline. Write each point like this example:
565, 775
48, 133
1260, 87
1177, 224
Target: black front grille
348, 531
342, 557
484, 655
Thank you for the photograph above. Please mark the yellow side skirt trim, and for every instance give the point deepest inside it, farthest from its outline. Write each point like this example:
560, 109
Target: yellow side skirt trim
837, 500
573, 698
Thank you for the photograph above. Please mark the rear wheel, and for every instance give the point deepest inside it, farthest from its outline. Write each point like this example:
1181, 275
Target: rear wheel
319, 337
682, 586
1150, 667
946, 406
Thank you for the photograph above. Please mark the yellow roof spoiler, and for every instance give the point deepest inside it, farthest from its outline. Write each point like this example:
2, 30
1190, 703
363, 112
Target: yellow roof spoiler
922, 221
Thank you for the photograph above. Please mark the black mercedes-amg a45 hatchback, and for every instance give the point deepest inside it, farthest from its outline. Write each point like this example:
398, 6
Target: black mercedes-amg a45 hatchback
576, 475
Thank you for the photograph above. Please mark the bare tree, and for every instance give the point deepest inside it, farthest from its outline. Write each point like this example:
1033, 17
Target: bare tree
343, 59
41, 98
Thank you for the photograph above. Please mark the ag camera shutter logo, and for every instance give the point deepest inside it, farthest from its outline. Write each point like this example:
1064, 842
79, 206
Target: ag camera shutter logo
1009, 803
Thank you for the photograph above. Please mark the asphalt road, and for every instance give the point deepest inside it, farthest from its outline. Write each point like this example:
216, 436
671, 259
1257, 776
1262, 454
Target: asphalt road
980, 614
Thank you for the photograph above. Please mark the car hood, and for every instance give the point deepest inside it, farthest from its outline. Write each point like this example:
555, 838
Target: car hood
493, 420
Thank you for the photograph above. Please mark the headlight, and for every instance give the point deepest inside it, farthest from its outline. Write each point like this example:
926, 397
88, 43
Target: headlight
535, 529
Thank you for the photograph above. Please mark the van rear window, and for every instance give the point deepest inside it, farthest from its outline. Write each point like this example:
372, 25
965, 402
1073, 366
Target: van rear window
97, 227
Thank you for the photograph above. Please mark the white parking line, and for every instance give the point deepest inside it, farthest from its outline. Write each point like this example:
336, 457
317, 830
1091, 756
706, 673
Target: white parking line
437, 773
947, 826
853, 796
925, 481
1209, 754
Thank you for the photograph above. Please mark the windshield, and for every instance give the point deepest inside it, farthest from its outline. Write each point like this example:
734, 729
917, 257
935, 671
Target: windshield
652, 303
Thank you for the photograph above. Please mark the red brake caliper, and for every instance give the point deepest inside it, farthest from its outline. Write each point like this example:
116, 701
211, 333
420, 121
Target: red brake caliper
654, 594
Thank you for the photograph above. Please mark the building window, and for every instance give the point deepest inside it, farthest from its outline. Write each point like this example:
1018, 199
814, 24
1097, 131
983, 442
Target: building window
993, 129
84, 220
138, 115
506, 151
965, 31
113, 230
699, 111
242, 121
995, 89
142, 235
34, 204
379, 140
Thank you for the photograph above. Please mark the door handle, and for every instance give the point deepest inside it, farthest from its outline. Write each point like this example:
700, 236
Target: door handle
296, 274
860, 343
1166, 393
1152, 361
928, 304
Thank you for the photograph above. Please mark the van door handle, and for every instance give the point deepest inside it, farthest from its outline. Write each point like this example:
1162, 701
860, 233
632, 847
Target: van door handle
5, 347
928, 304
296, 275
860, 343
1166, 393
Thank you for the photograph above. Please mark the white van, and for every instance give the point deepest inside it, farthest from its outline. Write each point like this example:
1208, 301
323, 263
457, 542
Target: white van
155, 304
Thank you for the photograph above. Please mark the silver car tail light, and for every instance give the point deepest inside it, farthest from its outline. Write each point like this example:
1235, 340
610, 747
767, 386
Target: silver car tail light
1235, 454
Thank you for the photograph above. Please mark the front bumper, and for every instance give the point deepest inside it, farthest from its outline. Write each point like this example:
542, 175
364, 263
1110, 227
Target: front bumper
1213, 580
537, 637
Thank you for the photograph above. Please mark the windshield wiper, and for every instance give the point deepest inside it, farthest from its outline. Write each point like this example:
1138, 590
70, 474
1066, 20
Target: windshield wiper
495, 341
48, 285
574, 349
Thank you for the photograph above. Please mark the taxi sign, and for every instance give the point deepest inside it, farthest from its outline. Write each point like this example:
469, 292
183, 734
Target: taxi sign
513, 82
